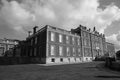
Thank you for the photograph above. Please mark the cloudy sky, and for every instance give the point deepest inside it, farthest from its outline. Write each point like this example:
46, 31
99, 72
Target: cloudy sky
19, 16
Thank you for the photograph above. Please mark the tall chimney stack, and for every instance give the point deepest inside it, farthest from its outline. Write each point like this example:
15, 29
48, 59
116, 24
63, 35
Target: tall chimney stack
34, 29
29, 33
94, 29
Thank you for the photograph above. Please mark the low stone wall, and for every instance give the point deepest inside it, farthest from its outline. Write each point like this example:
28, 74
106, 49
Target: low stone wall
37, 60
19, 60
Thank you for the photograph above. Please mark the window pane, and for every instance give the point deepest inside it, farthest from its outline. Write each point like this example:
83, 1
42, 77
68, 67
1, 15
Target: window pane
73, 40
60, 50
67, 39
35, 51
60, 38
31, 41
68, 51
52, 36
85, 42
36, 40
79, 52
78, 41
73, 51
31, 52
52, 50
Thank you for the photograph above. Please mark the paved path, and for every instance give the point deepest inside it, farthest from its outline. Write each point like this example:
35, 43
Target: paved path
82, 71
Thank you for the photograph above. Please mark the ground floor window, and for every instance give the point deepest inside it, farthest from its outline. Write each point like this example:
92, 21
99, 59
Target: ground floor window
68, 51
61, 59
52, 60
52, 49
79, 52
35, 51
74, 52
60, 50
31, 52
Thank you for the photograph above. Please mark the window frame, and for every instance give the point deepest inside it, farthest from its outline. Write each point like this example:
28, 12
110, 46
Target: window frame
52, 36
79, 51
67, 39
52, 50
68, 51
78, 41
61, 50
60, 38
74, 52
73, 40
36, 39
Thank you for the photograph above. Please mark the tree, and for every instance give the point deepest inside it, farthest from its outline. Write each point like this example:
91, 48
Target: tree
118, 54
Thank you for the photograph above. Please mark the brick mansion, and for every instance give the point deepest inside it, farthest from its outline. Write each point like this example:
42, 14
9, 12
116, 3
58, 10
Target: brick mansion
55, 45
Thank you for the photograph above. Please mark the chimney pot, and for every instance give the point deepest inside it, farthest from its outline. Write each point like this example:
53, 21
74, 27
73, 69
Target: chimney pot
29, 33
34, 29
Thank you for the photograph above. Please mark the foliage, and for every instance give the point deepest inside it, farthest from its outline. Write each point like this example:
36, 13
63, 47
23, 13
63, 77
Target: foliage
118, 54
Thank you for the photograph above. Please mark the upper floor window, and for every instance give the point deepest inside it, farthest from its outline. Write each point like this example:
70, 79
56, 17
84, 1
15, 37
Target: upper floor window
84, 42
87, 42
52, 36
60, 50
35, 40
60, 38
78, 40
73, 40
67, 39
52, 50
31, 41
87, 35
84, 34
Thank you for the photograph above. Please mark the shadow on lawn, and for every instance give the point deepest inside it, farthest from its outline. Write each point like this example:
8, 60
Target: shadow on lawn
107, 76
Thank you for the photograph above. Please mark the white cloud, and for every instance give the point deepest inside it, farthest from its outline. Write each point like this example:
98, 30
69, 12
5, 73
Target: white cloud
60, 13
114, 38
14, 15
66, 14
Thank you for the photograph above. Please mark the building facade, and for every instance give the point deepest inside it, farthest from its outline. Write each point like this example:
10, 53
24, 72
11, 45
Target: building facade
93, 43
110, 49
7, 45
55, 45
63, 46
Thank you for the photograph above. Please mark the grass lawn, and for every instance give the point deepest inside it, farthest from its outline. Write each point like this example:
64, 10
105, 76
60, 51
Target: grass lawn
81, 71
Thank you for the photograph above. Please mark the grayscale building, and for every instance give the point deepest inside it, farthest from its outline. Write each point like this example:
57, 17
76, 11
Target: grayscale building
55, 45
7, 45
